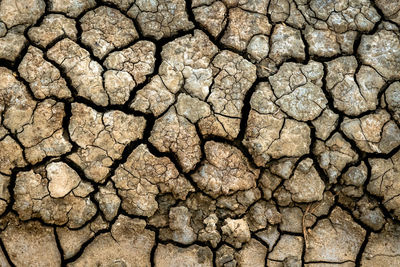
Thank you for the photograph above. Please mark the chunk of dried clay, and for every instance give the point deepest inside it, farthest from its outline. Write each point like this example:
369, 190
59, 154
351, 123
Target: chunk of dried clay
120, 245
224, 171
298, 90
195, 255
51, 28
373, 133
381, 51
58, 197
385, 183
334, 155
392, 96
16, 105
236, 232
353, 93
161, 18
271, 136
105, 29
334, 239
84, 73
142, 177
44, 78
72, 8
14, 12
242, 26
101, 137
305, 185
174, 133
30, 243
212, 17
44, 136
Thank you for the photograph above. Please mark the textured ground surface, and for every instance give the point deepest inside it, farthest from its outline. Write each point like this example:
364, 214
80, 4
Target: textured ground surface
200, 133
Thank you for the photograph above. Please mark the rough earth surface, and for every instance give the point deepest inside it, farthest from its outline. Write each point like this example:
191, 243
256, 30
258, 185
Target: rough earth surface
200, 133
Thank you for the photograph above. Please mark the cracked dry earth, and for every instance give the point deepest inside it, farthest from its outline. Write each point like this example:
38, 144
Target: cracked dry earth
200, 133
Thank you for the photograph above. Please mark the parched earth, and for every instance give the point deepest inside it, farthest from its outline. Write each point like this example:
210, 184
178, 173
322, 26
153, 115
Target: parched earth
200, 133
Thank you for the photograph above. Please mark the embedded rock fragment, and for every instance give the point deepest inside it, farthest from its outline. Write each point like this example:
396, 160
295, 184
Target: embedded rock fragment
175, 133
195, 255
305, 185
385, 183
58, 197
374, 132
29, 243
334, 239
353, 93
72, 8
120, 245
101, 137
161, 18
383, 248
84, 73
298, 89
334, 155
14, 12
242, 26
381, 51
354, 178
236, 232
258, 47
142, 177
105, 29
224, 171
51, 28
44, 79
43, 135
392, 97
